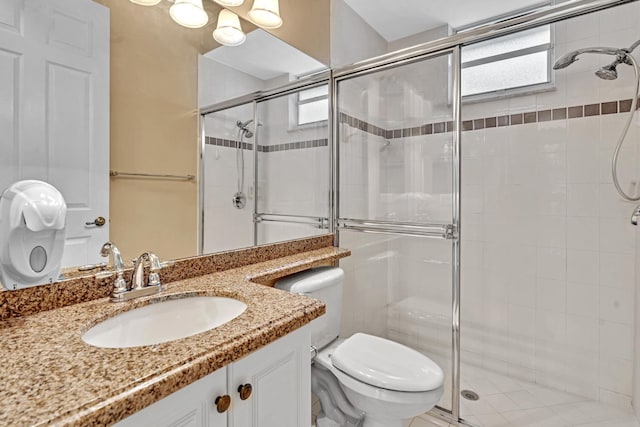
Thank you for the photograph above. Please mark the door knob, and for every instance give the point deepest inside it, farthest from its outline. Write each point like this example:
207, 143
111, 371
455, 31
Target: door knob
98, 222
223, 403
245, 391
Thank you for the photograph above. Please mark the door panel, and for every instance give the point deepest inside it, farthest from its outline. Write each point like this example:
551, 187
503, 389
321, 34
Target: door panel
395, 132
396, 204
399, 288
11, 12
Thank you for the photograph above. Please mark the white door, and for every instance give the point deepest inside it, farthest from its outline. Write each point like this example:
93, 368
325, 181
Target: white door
54, 109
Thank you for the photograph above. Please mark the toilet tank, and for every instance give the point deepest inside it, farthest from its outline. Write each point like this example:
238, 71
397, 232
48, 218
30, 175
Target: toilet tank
324, 284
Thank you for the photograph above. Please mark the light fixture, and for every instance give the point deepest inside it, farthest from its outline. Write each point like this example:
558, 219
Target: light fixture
189, 13
146, 2
228, 30
265, 14
228, 3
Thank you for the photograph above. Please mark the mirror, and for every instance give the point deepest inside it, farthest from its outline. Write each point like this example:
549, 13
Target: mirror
116, 91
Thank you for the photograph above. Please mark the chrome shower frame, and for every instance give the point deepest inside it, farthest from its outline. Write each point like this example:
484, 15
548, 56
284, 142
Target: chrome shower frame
452, 44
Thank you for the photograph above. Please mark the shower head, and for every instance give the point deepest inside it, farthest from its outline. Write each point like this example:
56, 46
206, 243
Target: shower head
608, 72
243, 128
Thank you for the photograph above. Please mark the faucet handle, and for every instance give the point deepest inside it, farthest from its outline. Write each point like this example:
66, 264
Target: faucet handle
154, 267
119, 286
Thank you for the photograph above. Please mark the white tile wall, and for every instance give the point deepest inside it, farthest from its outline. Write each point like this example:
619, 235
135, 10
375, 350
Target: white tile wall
573, 278
225, 227
583, 303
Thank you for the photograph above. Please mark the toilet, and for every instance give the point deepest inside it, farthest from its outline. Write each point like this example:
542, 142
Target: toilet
385, 383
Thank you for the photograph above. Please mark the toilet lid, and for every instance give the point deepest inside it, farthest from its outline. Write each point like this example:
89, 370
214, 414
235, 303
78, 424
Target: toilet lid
386, 364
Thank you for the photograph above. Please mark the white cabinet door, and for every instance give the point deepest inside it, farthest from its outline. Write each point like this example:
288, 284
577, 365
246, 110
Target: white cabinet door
54, 109
280, 376
192, 406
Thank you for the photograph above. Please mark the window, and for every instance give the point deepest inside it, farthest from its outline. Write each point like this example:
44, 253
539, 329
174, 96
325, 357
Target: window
516, 61
313, 105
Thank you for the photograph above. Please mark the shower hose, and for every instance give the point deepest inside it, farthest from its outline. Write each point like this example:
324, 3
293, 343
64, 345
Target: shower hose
623, 134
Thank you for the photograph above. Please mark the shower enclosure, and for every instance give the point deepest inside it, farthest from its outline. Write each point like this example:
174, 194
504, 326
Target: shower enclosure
271, 152
485, 228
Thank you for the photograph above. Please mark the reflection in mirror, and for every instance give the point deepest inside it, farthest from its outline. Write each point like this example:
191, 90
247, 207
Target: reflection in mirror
262, 62
111, 85
283, 181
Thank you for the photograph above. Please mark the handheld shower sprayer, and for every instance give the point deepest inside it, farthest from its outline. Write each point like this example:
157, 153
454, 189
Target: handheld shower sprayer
239, 199
610, 72
569, 58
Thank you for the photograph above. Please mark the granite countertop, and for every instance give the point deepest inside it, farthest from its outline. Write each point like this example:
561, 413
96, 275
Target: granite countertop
50, 376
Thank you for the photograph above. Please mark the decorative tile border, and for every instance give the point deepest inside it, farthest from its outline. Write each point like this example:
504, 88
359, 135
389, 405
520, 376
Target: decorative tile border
563, 113
221, 142
312, 143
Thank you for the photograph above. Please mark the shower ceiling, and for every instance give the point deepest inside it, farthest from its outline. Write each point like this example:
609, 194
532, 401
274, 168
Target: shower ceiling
394, 20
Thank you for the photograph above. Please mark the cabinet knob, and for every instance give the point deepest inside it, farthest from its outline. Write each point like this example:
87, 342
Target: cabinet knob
223, 403
245, 391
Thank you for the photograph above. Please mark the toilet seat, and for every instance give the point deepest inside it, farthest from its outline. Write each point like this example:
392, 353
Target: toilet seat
323, 359
386, 364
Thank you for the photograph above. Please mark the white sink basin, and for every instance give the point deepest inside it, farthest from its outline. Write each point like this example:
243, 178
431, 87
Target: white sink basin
164, 321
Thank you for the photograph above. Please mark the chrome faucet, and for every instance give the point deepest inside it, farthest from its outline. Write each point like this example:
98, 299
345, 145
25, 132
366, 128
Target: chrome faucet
120, 285
137, 279
137, 287
635, 215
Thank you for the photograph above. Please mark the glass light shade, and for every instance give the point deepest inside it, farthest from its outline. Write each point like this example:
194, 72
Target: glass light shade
146, 2
189, 13
265, 14
228, 31
229, 2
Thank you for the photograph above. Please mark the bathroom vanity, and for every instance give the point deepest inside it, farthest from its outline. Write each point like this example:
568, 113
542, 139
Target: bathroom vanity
271, 385
51, 376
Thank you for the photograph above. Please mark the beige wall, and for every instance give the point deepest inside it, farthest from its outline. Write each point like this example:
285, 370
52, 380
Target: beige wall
154, 129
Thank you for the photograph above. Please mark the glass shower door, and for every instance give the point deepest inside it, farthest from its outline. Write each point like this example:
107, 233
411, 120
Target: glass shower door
397, 206
227, 169
293, 165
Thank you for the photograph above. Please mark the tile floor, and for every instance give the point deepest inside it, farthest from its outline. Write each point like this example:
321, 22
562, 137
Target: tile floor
507, 402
